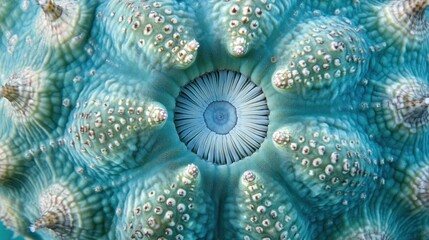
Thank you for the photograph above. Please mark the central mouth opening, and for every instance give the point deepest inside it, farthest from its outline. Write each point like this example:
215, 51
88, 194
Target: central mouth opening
222, 116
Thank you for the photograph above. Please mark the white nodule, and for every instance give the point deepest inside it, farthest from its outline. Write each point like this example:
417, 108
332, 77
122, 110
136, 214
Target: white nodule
33, 228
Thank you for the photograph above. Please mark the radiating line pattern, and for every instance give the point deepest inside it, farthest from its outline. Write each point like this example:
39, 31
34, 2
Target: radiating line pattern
222, 116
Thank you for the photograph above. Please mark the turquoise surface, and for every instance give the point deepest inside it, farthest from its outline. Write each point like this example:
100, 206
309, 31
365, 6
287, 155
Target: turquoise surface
6, 234
214, 119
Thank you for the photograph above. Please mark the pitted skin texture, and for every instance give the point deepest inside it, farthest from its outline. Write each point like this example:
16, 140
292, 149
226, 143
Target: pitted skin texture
214, 119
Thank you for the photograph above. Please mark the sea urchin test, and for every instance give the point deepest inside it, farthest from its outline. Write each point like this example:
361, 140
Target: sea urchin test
214, 119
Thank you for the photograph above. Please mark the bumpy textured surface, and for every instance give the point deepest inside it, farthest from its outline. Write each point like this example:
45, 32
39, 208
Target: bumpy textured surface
214, 119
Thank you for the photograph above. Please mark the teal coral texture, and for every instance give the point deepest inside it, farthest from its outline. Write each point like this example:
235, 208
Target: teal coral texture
214, 119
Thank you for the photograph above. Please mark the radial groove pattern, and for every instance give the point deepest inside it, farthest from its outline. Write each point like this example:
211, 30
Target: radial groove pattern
222, 116
214, 119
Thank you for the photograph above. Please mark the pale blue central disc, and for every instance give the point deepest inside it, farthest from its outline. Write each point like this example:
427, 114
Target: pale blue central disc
220, 117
